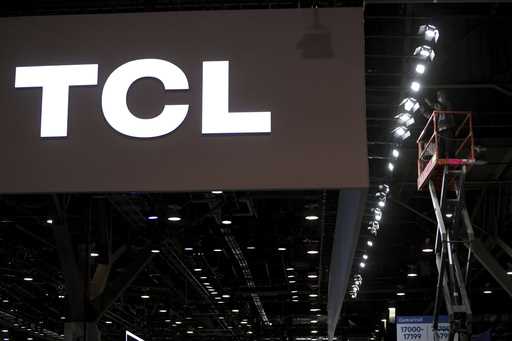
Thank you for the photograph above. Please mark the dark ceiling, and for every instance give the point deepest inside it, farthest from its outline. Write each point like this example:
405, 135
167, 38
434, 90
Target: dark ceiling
473, 65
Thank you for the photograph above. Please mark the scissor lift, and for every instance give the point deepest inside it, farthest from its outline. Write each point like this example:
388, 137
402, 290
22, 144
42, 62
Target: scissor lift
444, 158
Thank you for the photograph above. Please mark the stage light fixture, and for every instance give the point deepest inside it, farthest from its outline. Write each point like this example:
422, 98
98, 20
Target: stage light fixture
362, 265
405, 118
216, 192
152, 217
429, 32
409, 104
391, 166
365, 256
415, 86
369, 243
401, 132
420, 68
424, 52
395, 153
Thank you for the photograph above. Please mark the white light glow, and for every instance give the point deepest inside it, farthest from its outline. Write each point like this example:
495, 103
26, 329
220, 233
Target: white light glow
155, 251
427, 250
312, 252
369, 243
313, 295
312, 276
216, 116
487, 292
226, 222
144, 297
420, 69
216, 192
28, 279
95, 254
395, 153
449, 215
290, 269
235, 310
311, 217
314, 309
281, 249
115, 107
189, 249
198, 269
412, 274
152, 217
362, 265
49, 221
217, 250
400, 293
509, 273
55, 81
226, 296
391, 166
251, 248
381, 203
365, 257
108, 322
415, 86
174, 218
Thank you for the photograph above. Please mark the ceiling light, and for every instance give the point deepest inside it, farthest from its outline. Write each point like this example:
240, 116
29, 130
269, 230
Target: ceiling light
189, 249
251, 248
169, 321
292, 282
313, 295
163, 310
424, 53
249, 332
409, 104
155, 251
400, 293
401, 132
391, 166
383, 320
295, 300
294, 291
144, 297
152, 217
405, 118
381, 203
95, 254
215, 293
49, 221
190, 332
420, 69
487, 292
108, 322
198, 269
365, 257
314, 331
311, 217
281, 249
412, 274
226, 296
449, 215
427, 250
206, 283
312, 276
217, 250
291, 276
5, 301
295, 296
313, 321
314, 309
362, 264
509, 273
243, 322
178, 322
429, 32
226, 222
61, 296
312, 252
174, 218
216, 192
28, 279
235, 310
369, 243
415, 86
218, 297
290, 269
395, 153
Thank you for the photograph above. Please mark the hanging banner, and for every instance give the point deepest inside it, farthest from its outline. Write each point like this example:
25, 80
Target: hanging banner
419, 328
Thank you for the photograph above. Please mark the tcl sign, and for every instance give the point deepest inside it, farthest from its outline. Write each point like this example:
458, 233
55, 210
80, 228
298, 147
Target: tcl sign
55, 82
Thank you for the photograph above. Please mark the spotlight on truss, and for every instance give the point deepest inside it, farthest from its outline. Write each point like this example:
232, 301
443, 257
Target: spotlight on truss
425, 53
384, 188
405, 118
401, 132
415, 86
429, 32
409, 104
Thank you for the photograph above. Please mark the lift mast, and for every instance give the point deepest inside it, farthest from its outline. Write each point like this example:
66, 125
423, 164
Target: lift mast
445, 155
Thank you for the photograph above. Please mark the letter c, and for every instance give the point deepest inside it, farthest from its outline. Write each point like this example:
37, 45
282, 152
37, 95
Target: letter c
115, 108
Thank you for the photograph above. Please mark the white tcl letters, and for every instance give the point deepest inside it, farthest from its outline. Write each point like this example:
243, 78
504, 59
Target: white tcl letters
55, 81
216, 118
